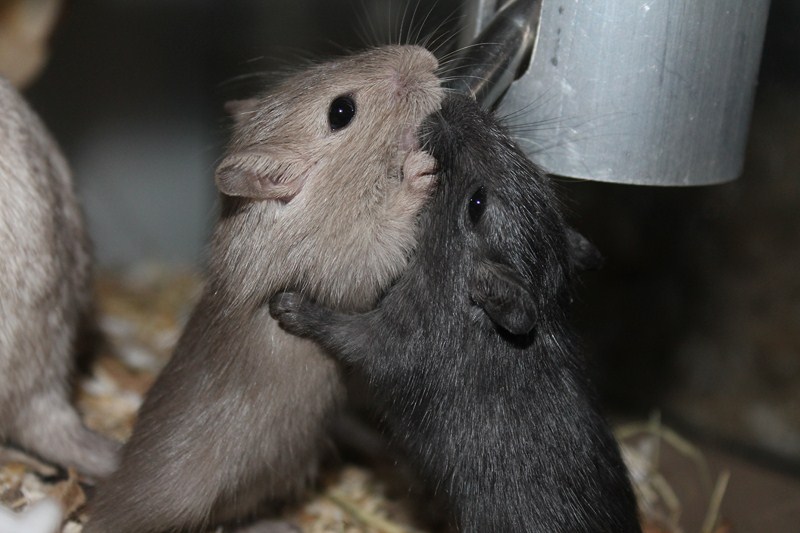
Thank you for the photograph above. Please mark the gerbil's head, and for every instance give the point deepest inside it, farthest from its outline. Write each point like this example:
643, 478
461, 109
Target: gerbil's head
495, 213
344, 121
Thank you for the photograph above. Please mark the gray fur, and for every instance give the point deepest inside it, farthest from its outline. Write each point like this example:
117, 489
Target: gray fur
44, 294
239, 414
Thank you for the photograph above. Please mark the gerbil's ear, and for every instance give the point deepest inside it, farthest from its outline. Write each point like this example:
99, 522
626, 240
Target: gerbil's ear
583, 254
240, 109
272, 174
497, 290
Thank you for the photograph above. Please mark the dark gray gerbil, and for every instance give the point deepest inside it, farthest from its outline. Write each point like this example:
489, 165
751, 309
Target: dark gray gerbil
44, 294
470, 353
322, 184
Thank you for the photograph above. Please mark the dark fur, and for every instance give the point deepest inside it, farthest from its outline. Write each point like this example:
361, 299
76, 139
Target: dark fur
471, 352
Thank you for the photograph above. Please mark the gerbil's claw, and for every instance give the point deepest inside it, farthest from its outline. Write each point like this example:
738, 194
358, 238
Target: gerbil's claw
419, 171
284, 302
285, 307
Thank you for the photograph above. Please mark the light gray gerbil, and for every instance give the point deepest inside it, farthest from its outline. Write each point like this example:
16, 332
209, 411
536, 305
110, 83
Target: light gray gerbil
321, 186
44, 294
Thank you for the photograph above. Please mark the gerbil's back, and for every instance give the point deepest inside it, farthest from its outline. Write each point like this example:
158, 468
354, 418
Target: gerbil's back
44, 259
39, 214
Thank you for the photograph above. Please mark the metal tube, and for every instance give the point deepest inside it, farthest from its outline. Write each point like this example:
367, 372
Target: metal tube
632, 91
486, 67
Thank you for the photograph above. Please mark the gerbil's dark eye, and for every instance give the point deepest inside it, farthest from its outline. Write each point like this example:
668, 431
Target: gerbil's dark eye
477, 205
342, 111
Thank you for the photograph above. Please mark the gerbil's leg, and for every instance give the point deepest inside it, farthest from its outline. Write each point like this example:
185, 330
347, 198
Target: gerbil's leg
10, 455
48, 426
218, 440
346, 337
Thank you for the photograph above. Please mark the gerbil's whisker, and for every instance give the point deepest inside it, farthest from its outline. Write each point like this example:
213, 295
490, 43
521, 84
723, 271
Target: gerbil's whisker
450, 56
401, 38
438, 39
424, 21
461, 71
411, 24
513, 115
449, 67
341, 48
434, 44
365, 29
432, 37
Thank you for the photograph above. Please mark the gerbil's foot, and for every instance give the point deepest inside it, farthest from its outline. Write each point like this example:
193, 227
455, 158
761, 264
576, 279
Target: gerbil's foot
419, 173
50, 427
294, 313
100, 455
333, 331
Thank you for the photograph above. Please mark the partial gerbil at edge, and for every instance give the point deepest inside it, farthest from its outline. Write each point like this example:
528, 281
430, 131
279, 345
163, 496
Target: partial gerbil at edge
45, 295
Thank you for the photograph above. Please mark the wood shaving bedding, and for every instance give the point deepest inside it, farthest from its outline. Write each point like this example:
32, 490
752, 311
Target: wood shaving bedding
141, 315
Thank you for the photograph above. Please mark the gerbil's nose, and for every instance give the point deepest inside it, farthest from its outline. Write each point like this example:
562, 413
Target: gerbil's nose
415, 72
427, 58
418, 59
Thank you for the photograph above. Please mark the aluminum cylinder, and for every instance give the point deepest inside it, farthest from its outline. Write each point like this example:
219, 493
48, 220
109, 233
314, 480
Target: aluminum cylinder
652, 92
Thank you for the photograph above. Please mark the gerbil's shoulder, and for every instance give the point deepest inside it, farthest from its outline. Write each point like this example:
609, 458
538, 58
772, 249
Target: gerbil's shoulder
28, 153
16, 117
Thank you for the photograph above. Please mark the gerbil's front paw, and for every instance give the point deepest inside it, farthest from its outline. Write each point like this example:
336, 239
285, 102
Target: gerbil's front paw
290, 309
419, 173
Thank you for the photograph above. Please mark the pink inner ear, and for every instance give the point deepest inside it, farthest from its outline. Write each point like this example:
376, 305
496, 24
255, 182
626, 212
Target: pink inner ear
260, 177
275, 188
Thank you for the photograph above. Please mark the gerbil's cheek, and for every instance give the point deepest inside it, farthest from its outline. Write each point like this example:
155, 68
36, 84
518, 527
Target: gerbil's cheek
508, 304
